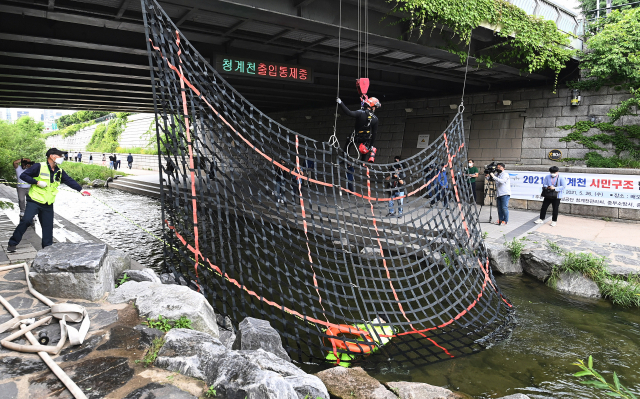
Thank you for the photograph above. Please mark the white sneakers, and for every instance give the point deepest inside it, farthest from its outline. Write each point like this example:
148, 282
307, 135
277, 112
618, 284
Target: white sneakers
539, 221
553, 224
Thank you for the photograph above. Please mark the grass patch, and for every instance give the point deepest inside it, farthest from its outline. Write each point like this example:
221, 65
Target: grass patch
6, 205
123, 280
164, 324
621, 292
515, 248
78, 171
152, 353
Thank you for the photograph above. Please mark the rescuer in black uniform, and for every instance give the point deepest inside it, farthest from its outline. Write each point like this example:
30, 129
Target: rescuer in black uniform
366, 127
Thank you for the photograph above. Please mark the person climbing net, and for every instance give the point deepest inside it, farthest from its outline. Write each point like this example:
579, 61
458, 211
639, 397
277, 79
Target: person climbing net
360, 143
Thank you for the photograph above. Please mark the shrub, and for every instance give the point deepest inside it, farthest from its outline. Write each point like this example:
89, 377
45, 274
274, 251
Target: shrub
78, 171
22, 139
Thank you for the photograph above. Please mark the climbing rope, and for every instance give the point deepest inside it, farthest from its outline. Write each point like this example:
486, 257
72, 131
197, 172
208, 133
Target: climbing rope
333, 140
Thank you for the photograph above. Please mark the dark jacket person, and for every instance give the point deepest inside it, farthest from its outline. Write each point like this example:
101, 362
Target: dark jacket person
44, 179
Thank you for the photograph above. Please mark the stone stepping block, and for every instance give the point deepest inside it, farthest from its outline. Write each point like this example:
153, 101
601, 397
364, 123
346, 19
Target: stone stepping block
156, 390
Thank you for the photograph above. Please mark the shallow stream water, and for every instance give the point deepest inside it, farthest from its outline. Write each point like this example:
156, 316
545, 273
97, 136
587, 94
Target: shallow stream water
553, 329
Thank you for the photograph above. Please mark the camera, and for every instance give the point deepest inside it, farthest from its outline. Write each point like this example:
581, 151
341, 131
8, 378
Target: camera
491, 168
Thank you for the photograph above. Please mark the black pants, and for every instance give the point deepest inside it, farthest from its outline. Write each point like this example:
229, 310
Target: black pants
475, 193
555, 203
45, 215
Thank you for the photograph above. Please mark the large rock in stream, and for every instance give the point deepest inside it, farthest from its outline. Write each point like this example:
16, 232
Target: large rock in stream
72, 270
577, 284
500, 259
540, 262
236, 374
254, 334
353, 383
170, 301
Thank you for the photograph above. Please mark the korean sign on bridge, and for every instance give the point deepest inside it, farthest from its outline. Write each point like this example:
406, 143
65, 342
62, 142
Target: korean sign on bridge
617, 191
263, 69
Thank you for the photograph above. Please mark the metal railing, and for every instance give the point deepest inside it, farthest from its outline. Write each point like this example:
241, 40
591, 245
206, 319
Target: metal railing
566, 20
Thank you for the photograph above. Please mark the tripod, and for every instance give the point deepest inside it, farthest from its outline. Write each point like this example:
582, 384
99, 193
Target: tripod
489, 191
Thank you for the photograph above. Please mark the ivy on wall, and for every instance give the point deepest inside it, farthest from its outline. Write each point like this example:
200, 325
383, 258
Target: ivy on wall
531, 43
105, 137
612, 59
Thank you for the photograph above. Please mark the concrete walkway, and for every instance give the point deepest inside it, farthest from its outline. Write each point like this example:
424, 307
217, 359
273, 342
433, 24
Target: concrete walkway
595, 230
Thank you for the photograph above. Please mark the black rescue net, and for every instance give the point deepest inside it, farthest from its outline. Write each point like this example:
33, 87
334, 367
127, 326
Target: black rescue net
275, 225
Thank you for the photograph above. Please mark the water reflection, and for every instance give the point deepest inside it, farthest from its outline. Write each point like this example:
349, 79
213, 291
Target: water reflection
553, 330
112, 228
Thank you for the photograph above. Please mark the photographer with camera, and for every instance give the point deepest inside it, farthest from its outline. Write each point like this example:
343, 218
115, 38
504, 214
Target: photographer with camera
396, 184
553, 186
20, 165
503, 190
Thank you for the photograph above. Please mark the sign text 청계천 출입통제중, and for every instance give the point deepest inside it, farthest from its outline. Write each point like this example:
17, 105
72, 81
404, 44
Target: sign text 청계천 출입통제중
263, 69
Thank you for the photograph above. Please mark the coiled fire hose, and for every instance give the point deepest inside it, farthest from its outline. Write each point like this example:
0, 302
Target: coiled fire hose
63, 312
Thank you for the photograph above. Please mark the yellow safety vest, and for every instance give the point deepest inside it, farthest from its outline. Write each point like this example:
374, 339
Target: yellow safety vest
46, 195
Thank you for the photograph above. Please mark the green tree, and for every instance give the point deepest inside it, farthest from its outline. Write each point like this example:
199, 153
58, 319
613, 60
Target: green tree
20, 140
589, 6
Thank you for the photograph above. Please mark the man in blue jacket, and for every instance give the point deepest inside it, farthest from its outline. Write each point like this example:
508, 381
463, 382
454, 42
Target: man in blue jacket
441, 186
130, 160
44, 179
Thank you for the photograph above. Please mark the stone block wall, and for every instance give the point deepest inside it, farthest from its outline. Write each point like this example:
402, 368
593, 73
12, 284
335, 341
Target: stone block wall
523, 132
546, 112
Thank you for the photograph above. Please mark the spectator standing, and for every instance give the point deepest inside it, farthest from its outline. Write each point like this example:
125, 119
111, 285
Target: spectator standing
20, 165
441, 185
503, 192
396, 184
44, 180
472, 174
111, 161
118, 160
130, 160
429, 180
553, 185
279, 182
90, 159
79, 157
104, 160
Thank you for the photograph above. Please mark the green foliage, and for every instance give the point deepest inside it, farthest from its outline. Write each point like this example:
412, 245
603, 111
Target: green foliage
589, 6
105, 138
123, 280
164, 324
183, 322
69, 130
624, 139
621, 292
211, 392
485, 234
555, 247
137, 150
515, 248
78, 171
160, 323
612, 54
152, 353
79, 117
616, 390
529, 42
6, 205
23, 139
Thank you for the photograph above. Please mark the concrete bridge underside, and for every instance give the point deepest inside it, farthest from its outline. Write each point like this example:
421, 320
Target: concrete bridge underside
91, 54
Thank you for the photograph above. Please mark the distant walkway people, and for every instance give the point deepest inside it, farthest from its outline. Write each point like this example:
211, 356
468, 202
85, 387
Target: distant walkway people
20, 165
396, 184
104, 160
118, 161
441, 186
130, 160
90, 159
112, 161
79, 157
553, 186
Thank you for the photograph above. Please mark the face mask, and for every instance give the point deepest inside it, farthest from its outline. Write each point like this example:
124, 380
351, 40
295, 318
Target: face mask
59, 161
554, 174
470, 164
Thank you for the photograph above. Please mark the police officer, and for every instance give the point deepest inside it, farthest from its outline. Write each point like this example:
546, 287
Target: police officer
44, 179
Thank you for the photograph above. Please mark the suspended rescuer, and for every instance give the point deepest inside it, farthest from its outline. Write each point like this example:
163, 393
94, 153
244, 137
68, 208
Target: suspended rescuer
366, 127
44, 179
